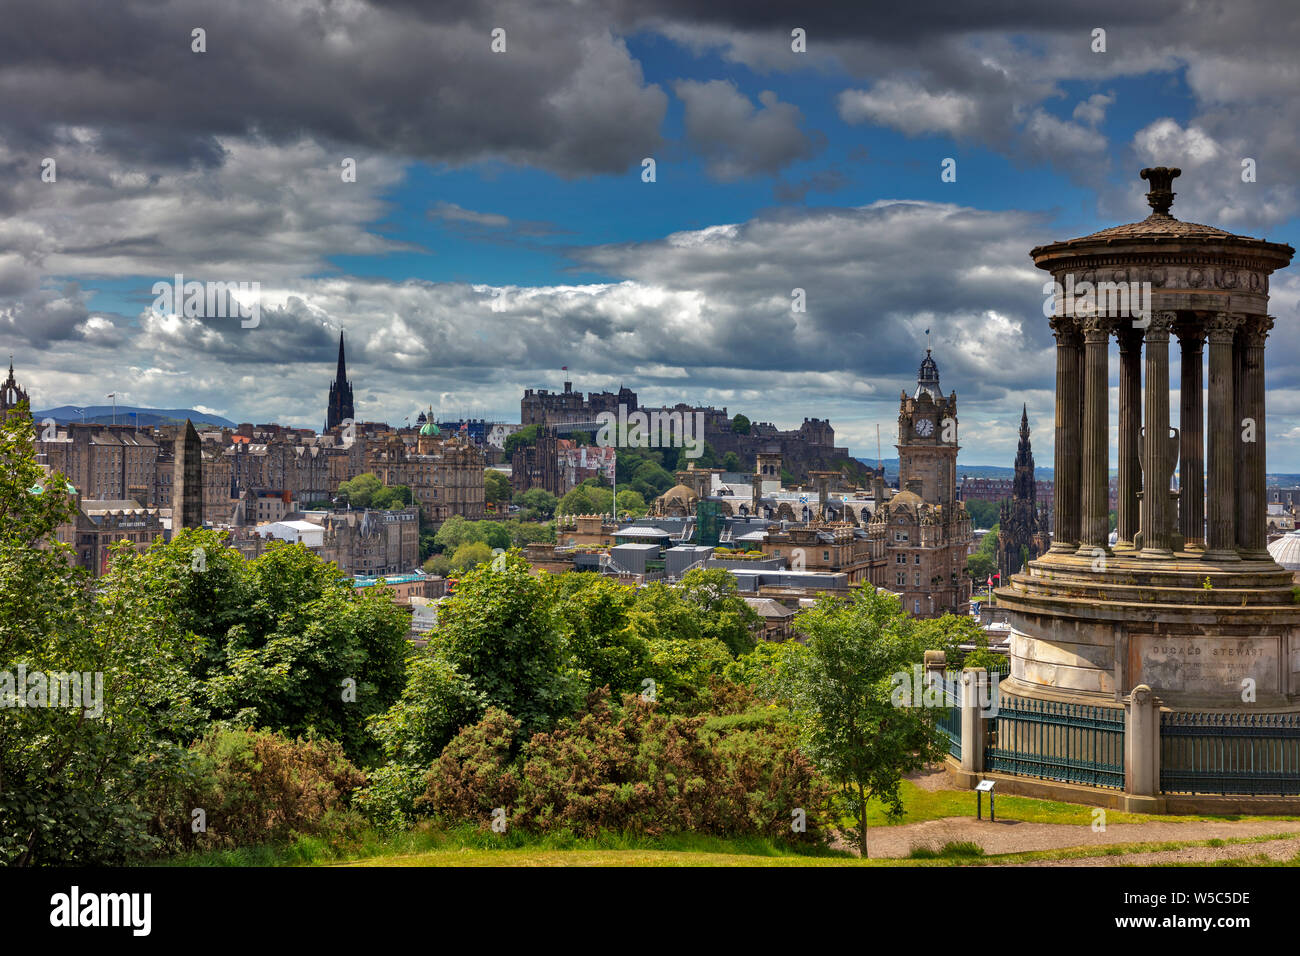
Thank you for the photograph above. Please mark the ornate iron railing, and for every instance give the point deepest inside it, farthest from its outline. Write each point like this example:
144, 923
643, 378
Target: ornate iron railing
1073, 743
1256, 754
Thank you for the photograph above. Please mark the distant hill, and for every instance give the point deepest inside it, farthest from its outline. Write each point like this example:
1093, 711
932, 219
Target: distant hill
103, 415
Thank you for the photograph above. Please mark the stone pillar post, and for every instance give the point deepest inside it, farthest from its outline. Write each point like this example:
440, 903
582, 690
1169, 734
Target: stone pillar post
755, 494
1252, 527
1157, 466
1142, 743
1191, 424
974, 685
1069, 439
1094, 530
1221, 532
1130, 430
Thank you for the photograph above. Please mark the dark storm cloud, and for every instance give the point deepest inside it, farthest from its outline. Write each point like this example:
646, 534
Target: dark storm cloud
565, 95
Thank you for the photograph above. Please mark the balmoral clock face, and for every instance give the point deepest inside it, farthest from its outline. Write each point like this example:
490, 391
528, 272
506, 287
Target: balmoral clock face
924, 427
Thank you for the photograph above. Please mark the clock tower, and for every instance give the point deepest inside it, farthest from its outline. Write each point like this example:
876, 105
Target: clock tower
926, 530
927, 439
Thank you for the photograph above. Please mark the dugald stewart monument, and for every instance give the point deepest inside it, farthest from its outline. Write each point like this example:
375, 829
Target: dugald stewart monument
1183, 612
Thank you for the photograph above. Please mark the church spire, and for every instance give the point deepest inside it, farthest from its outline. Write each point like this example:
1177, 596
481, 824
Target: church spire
340, 407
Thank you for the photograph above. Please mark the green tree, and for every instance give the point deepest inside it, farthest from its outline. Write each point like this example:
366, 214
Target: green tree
73, 778
361, 489
724, 614
498, 630
731, 461
593, 615
454, 532
740, 424
520, 439
980, 566
496, 488
435, 704
982, 513
391, 498
632, 503
537, 503
839, 688
310, 655
470, 555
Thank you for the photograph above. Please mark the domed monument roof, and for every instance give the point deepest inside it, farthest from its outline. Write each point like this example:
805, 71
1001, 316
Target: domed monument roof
906, 498
1159, 227
678, 491
1286, 551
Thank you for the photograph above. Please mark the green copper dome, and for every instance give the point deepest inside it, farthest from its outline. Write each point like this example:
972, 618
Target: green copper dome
429, 428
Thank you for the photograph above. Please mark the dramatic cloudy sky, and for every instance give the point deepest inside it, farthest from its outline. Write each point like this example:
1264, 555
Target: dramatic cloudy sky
499, 226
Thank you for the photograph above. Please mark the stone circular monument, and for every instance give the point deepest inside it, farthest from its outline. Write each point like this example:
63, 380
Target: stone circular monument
1187, 600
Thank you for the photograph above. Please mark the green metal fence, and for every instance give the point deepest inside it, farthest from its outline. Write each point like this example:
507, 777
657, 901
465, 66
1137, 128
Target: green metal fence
1073, 743
1257, 754
949, 718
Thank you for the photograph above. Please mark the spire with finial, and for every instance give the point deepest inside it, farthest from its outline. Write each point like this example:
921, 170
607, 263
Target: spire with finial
1161, 195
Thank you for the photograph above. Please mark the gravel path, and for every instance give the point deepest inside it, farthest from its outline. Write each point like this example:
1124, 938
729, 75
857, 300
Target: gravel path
1012, 836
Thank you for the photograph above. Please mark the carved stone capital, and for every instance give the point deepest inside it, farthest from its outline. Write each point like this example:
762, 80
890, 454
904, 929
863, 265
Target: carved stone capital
1066, 330
1160, 325
1221, 327
1096, 328
1255, 329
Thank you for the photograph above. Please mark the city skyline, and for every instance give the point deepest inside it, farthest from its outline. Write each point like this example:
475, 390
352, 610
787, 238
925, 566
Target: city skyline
467, 268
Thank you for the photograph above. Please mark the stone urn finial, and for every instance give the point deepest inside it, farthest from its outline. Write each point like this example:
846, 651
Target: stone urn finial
1161, 195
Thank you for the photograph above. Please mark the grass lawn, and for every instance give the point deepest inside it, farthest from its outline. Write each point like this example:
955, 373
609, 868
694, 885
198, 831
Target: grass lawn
466, 846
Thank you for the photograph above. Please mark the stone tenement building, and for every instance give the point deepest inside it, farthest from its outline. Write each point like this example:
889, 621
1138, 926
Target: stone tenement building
445, 475
926, 529
1022, 528
104, 462
1000, 489
372, 542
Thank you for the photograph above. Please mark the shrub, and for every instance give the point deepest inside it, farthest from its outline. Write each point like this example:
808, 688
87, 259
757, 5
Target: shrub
633, 768
256, 787
472, 776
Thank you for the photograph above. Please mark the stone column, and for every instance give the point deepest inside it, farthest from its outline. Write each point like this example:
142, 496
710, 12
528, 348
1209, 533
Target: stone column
1130, 428
1094, 530
975, 689
1252, 525
1157, 528
1142, 742
1239, 413
1191, 423
1065, 508
1221, 536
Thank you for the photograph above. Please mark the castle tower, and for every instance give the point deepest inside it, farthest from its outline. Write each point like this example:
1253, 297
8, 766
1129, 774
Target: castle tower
340, 400
187, 480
